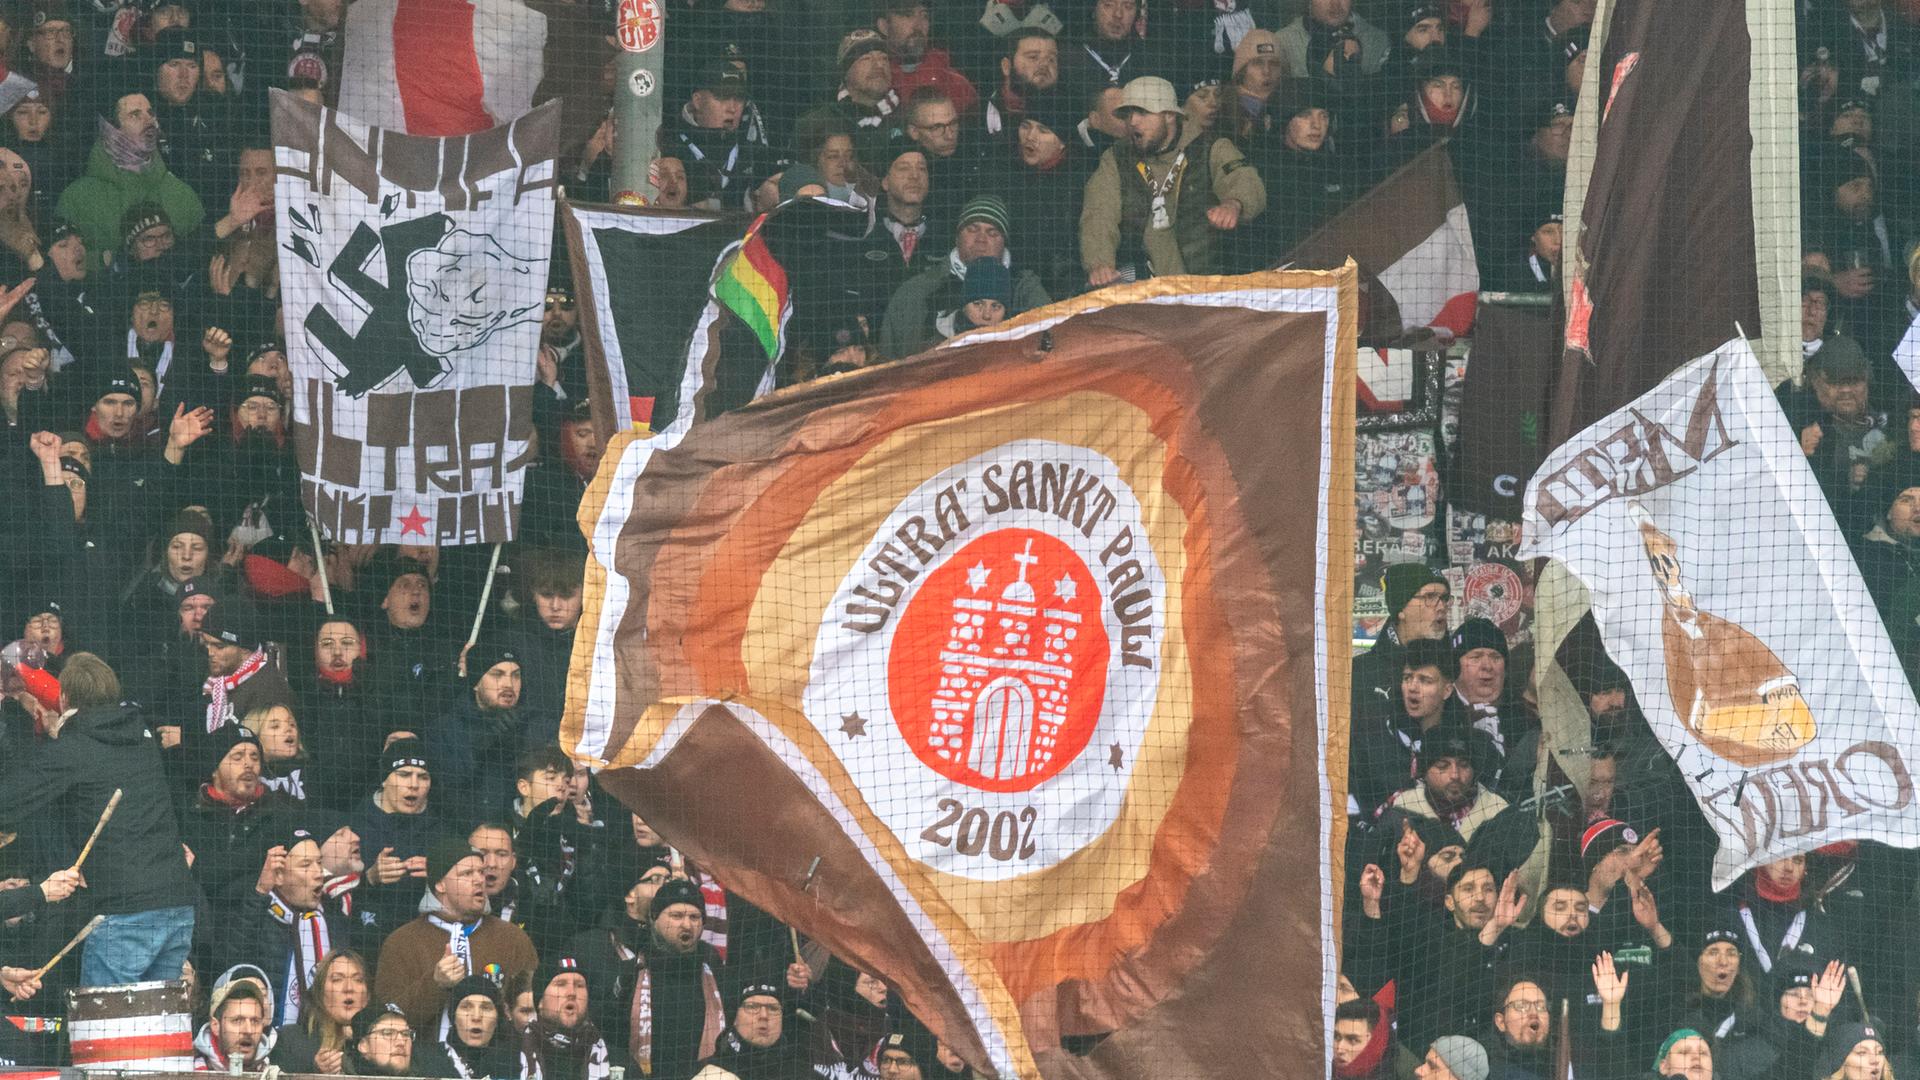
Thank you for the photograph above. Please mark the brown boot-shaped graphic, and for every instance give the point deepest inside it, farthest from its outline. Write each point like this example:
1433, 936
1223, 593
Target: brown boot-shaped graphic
1731, 691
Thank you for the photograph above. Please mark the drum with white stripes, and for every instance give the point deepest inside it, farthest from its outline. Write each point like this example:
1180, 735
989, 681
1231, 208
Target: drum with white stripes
145, 1026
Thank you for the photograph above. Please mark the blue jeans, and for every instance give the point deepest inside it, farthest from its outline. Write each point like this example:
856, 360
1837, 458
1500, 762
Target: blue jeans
146, 946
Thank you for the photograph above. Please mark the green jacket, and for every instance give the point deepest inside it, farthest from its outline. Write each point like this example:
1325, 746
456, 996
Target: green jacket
907, 326
1110, 235
97, 201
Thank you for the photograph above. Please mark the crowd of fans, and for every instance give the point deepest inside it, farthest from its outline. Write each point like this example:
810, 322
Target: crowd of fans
353, 832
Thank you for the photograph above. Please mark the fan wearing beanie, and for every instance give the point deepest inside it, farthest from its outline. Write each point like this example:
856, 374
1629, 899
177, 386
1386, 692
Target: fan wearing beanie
1454, 1057
228, 823
755, 1045
1417, 600
984, 231
474, 1033
563, 1043
452, 938
677, 1012
477, 741
1789, 1032
986, 298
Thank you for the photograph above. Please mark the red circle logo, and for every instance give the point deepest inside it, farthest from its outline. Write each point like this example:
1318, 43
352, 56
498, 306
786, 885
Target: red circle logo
639, 25
999, 664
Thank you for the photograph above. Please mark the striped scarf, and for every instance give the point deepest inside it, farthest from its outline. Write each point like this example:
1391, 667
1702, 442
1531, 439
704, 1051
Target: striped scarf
713, 1023
219, 686
312, 940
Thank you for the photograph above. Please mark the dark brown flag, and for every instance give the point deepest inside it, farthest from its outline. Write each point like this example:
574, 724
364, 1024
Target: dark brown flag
1665, 265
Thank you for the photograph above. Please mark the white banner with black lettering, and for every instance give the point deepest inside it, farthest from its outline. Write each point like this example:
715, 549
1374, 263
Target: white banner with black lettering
413, 272
1723, 587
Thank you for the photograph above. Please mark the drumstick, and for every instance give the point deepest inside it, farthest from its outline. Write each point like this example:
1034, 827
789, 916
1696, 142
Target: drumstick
99, 826
794, 936
77, 939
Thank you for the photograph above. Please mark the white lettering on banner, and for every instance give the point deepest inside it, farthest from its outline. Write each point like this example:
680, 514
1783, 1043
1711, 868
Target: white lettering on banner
989, 664
1723, 587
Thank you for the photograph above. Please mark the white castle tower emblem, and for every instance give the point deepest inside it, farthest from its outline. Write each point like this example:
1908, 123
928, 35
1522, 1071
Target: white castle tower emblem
1006, 673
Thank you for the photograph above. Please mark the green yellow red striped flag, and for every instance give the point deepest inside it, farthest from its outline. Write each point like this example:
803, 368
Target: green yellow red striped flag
754, 287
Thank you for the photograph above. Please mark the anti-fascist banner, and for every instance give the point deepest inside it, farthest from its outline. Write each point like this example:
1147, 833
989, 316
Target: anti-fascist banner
1005, 672
1724, 589
414, 270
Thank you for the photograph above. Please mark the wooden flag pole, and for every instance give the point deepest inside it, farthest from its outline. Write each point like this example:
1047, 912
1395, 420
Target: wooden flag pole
77, 939
99, 827
320, 565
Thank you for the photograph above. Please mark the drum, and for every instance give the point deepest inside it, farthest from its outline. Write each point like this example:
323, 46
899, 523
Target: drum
141, 1026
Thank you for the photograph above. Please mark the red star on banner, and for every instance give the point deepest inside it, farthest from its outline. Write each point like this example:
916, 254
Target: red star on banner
414, 522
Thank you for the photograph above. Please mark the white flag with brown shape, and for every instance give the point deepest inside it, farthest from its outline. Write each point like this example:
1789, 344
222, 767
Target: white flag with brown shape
1724, 588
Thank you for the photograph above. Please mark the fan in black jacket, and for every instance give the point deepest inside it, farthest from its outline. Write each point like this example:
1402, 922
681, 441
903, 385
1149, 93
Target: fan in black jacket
137, 866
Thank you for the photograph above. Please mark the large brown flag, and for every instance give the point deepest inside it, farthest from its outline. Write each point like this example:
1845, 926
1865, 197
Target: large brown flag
1682, 199
1005, 672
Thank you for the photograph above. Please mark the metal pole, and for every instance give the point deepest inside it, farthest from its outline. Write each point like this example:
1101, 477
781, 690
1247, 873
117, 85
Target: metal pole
639, 93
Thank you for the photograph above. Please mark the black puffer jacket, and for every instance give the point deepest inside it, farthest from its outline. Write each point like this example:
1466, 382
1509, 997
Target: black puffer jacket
64, 783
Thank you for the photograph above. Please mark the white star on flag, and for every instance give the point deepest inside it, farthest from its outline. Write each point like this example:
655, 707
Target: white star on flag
1065, 588
977, 577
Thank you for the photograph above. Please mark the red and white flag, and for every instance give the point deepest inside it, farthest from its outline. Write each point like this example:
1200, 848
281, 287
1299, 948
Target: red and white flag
1410, 235
441, 67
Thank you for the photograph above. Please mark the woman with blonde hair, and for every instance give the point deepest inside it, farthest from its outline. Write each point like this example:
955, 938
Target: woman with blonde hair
284, 762
317, 1041
1854, 1052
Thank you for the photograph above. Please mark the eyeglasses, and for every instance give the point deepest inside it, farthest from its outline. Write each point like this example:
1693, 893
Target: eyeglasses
1525, 1007
392, 1034
763, 1008
1440, 597
558, 302
950, 125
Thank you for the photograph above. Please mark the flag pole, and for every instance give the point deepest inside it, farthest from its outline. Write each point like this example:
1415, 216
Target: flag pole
486, 594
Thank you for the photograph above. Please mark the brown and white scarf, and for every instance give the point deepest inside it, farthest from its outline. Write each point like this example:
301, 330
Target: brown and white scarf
640, 1044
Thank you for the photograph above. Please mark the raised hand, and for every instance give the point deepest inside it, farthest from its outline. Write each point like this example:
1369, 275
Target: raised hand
11, 297
1646, 910
1608, 982
1373, 882
218, 345
1506, 910
1645, 856
271, 868
1412, 853
1829, 987
187, 428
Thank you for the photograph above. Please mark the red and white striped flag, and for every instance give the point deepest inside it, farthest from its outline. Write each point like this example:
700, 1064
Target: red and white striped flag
441, 67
